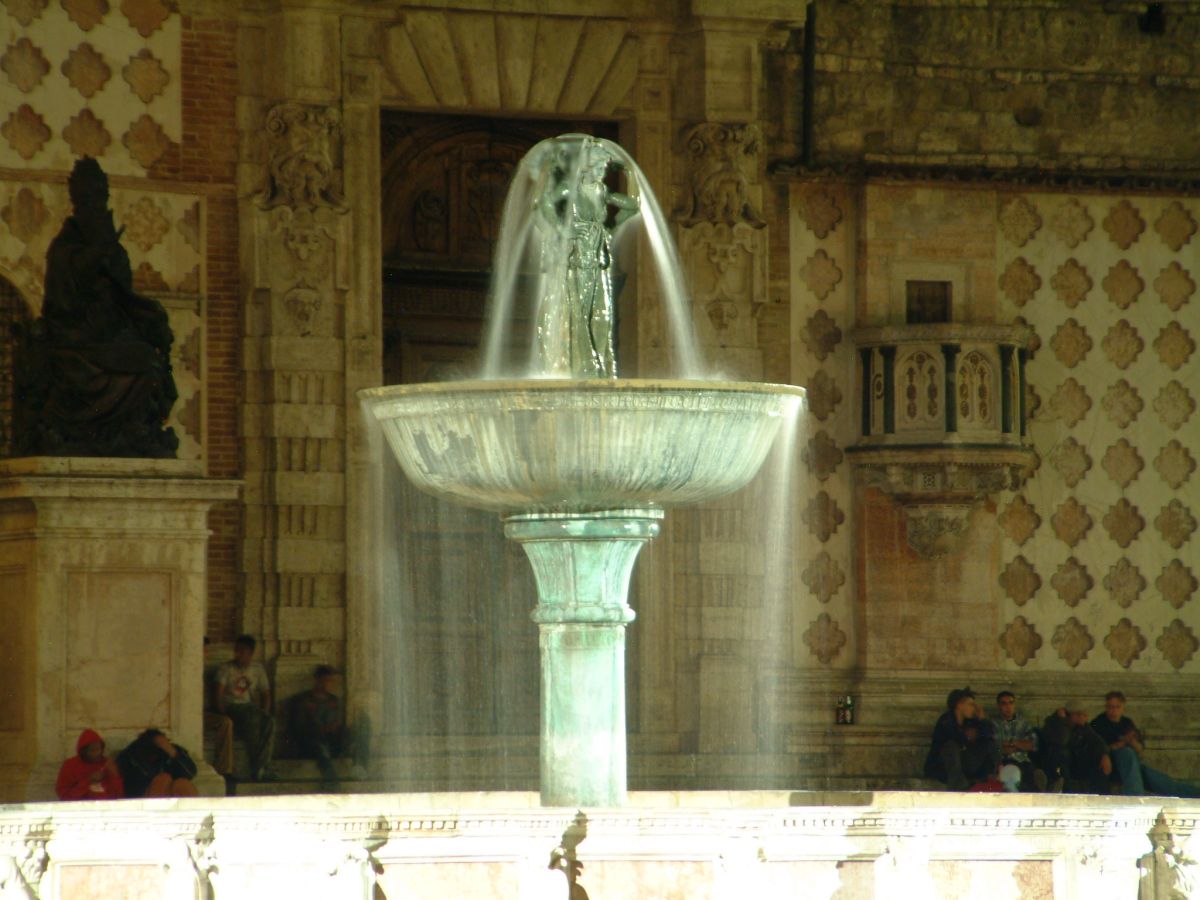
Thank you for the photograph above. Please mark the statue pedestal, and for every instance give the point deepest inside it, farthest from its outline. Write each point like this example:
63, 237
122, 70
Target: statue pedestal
582, 563
102, 594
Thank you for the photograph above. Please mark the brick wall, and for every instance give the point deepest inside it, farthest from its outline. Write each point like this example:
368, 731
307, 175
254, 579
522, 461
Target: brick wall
208, 156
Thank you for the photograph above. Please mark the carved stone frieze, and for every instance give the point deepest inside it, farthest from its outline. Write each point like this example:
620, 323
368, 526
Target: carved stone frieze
942, 474
302, 155
724, 161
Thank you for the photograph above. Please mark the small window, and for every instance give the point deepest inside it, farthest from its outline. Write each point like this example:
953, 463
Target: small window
927, 302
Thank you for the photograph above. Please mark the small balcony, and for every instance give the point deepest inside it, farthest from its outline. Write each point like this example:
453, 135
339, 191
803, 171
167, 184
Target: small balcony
941, 419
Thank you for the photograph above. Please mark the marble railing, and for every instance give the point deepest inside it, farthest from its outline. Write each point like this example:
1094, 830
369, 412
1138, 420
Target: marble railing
664, 845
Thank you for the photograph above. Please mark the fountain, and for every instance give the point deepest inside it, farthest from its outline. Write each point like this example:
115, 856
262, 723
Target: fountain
580, 463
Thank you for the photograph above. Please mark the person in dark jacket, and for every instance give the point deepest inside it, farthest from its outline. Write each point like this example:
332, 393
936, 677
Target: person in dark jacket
1074, 756
152, 766
1124, 743
963, 750
89, 775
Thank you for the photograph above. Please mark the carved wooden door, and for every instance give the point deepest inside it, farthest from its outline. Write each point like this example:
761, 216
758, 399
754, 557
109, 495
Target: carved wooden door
465, 652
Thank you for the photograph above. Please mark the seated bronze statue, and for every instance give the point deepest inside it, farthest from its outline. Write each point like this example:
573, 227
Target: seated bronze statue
93, 373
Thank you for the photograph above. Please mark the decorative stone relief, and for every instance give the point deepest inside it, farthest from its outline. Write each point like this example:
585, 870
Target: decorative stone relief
86, 70
145, 224
1071, 283
824, 638
24, 65
1174, 286
821, 334
823, 576
1174, 404
1019, 220
1175, 523
86, 135
1123, 284
1174, 464
145, 75
1071, 223
1071, 461
1124, 225
1071, 522
1020, 281
820, 211
822, 516
1123, 522
148, 280
935, 530
822, 456
25, 11
146, 141
823, 395
1020, 641
1020, 581
1033, 401
25, 214
1124, 583
1122, 403
1125, 642
302, 302
147, 16
1072, 582
1072, 641
1070, 343
1174, 345
1122, 462
728, 269
25, 131
1070, 402
821, 274
1122, 344
301, 171
1176, 583
1175, 226
86, 13
1177, 643
723, 160
1019, 520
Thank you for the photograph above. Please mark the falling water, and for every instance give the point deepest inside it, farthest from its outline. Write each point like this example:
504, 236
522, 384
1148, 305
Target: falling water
526, 255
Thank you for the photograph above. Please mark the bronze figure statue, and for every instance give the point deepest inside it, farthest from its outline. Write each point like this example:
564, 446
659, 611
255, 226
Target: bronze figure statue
93, 373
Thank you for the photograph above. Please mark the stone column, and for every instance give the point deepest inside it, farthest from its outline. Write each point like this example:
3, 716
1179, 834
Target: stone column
295, 260
102, 595
582, 564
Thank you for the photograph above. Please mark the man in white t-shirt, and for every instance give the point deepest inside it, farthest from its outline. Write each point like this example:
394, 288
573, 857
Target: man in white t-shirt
244, 695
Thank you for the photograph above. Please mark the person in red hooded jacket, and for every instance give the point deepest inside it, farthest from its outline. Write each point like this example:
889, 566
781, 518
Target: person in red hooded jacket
89, 775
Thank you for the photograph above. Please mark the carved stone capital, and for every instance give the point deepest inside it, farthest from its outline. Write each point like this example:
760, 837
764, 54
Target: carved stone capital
303, 152
723, 160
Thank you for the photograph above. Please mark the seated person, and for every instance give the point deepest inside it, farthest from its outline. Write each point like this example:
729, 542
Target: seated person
1017, 739
1074, 756
318, 724
962, 750
1126, 747
152, 766
89, 775
244, 695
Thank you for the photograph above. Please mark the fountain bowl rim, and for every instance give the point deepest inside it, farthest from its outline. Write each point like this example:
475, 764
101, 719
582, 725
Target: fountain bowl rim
562, 385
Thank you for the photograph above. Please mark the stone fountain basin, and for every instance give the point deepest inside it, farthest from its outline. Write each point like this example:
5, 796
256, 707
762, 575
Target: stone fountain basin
581, 445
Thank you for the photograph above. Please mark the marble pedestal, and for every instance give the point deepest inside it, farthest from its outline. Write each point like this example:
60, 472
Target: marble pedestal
102, 595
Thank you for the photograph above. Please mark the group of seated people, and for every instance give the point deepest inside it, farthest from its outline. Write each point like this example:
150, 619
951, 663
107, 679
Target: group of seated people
154, 766
971, 751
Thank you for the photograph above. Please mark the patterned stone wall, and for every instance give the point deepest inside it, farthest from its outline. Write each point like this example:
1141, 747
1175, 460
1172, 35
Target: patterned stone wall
1100, 566
823, 241
1000, 84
